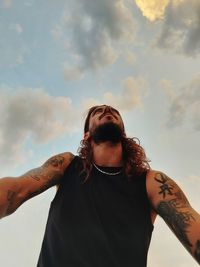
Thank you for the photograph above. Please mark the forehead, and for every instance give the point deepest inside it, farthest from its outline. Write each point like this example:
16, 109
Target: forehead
102, 107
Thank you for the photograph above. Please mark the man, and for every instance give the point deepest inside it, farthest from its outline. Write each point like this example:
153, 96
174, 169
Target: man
107, 200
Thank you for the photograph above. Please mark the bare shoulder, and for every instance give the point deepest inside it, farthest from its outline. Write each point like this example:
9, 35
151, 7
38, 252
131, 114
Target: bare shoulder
59, 161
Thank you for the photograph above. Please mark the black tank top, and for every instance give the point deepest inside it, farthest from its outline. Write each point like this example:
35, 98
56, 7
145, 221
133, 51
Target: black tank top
104, 222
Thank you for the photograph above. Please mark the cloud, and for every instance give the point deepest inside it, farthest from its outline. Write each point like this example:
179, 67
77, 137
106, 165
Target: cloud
133, 90
181, 28
72, 73
93, 30
89, 102
180, 24
29, 113
184, 105
130, 58
6, 3
152, 9
131, 96
13, 50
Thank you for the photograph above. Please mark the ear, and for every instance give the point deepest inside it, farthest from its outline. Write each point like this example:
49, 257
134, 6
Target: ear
86, 136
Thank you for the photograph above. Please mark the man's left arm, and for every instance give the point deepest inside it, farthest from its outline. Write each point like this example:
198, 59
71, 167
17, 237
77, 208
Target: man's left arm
169, 201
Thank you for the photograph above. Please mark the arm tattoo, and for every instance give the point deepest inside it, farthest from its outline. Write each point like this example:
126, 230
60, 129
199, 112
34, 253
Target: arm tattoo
197, 251
178, 221
38, 174
55, 161
166, 187
175, 210
48, 183
46, 177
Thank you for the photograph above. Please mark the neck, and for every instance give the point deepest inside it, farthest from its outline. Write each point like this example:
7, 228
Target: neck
107, 154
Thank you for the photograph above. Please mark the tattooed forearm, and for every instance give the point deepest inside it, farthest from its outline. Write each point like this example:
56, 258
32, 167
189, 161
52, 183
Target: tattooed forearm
178, 221
197, 251
38, 174
43, 187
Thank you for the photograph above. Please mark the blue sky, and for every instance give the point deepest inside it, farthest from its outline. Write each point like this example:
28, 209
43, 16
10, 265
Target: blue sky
57, 58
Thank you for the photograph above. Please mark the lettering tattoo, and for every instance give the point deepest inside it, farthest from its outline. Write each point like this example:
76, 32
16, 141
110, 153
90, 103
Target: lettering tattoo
197, 251
166, 187
38, 174
49, 183
178, 221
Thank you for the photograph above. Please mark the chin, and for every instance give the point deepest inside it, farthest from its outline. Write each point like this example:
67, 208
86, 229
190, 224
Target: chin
108, 131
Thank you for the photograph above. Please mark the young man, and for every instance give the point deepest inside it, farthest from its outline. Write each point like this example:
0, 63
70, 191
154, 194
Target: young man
107, 200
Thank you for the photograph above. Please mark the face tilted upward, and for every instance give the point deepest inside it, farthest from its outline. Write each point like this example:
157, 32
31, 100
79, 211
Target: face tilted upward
101, 116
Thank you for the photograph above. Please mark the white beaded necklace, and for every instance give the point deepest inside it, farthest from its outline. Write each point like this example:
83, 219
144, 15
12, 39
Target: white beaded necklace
108, 173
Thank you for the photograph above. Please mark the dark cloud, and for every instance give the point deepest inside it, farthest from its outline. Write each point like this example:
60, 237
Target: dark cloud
181, 28
185, 105
93, 30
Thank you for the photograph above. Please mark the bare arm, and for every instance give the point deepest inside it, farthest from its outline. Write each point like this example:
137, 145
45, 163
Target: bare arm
15, 191
171, 204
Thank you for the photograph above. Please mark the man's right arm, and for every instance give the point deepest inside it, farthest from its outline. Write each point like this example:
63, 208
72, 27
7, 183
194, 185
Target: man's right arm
15, 191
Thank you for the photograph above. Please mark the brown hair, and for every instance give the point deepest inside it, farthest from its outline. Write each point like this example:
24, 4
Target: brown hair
134, 155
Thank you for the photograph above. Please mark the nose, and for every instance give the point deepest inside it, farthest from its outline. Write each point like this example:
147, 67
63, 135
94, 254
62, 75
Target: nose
107, 109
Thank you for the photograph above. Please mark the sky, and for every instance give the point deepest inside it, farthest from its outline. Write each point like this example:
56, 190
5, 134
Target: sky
58, 58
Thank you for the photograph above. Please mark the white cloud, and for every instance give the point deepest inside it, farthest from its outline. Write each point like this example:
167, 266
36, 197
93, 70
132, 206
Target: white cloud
184, 105
6, 3
152, 9
131, 97
72, 73
32, 113
133, 90
93, 30
89, 102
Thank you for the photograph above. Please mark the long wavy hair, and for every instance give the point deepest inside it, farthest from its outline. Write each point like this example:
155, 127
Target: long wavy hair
134, 157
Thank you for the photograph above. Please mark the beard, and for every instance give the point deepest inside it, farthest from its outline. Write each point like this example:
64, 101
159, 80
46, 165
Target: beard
107, 132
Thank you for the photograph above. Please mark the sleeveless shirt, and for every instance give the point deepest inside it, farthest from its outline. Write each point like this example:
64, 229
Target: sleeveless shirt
104, 222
